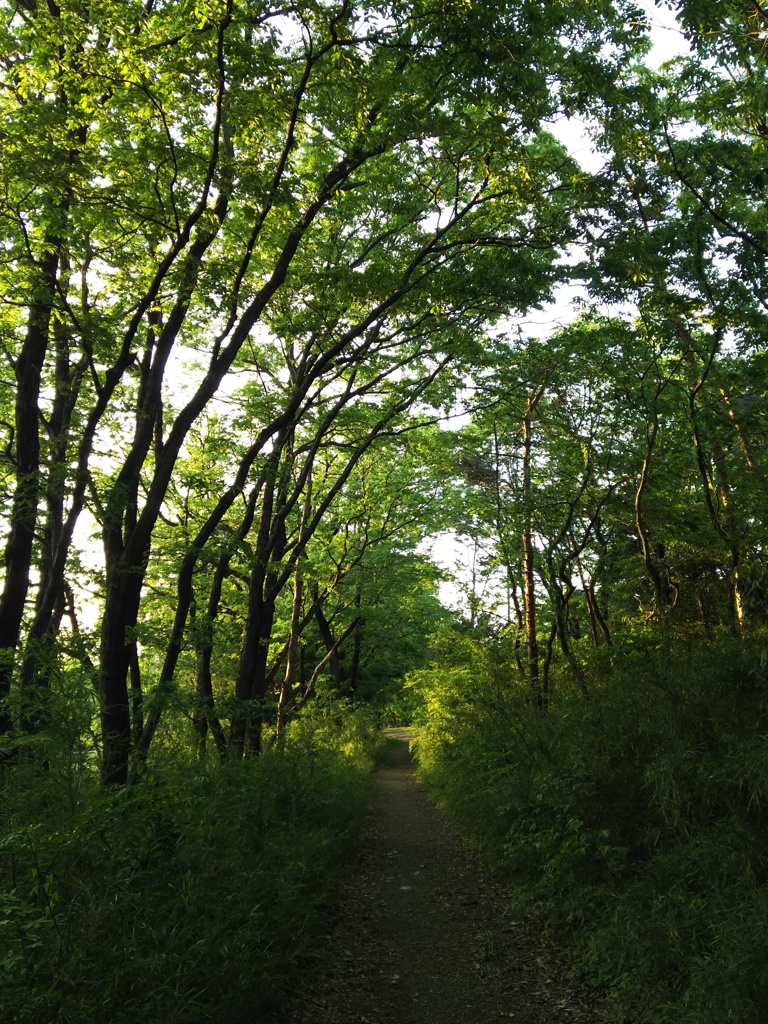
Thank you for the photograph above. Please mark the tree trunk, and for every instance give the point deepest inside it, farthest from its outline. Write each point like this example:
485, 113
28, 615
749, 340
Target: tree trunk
561, 620
291, 658
23, 520
529, 590
331, 645
50, 598
137, 696
294, 632
357, 644
651, 569
519, 632
251, 685
546, 664
728, 535
736, 596
120, 613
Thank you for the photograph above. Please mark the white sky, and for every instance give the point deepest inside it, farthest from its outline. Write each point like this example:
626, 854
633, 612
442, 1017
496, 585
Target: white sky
666, 36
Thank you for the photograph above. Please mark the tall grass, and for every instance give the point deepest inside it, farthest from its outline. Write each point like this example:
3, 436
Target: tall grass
187, 898
636, 821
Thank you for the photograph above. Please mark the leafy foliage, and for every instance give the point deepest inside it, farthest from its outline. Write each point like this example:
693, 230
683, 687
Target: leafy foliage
636, 821
188, 897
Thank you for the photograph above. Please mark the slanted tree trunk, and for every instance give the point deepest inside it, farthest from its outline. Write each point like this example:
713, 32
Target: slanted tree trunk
746, 445
331, 644
597, 625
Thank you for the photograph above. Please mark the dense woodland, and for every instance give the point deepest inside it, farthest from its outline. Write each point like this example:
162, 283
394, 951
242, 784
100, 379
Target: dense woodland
266, 273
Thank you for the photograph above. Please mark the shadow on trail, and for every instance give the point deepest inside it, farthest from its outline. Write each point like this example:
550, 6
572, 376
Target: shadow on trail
418, 934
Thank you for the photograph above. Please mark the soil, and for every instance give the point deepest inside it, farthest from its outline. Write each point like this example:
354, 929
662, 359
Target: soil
419, 934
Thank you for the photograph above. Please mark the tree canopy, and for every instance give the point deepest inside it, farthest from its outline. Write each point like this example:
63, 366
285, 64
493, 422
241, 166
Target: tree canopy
283, 229
254, 253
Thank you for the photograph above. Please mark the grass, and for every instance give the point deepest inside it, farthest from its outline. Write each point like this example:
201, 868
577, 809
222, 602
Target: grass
636, 822
189, 898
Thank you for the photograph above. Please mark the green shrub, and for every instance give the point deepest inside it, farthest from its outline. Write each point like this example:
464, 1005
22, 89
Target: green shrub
340, 727
635, 821
187, 898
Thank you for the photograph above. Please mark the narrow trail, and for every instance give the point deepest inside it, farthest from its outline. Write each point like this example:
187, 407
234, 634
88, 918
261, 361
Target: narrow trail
418, 934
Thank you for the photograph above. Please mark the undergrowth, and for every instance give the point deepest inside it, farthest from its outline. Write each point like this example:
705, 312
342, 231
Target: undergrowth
636, 821
187, 898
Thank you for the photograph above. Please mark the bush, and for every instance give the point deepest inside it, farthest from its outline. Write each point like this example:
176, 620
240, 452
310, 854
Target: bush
187, 898
339, 727
636, 821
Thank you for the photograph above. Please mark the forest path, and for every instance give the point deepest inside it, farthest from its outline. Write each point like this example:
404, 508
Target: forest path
418, 934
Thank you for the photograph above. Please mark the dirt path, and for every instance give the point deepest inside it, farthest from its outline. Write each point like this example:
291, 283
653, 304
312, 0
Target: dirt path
418, 934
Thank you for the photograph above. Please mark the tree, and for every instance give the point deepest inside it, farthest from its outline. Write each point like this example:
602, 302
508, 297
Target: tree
339, 181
